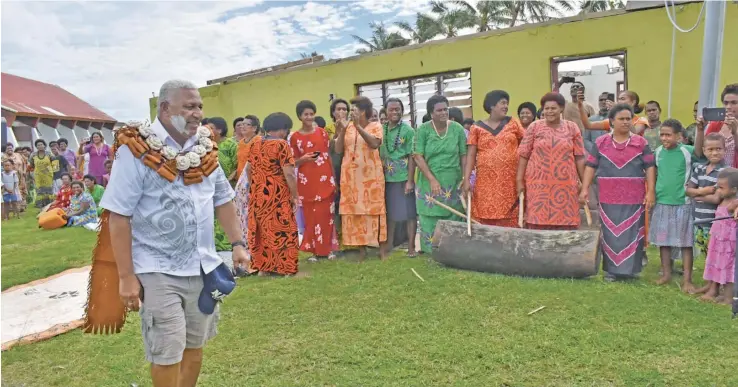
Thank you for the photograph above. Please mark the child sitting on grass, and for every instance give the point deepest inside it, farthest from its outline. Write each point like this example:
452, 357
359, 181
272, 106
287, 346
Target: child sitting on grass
671, 221
702, 189
11, 190
720, 264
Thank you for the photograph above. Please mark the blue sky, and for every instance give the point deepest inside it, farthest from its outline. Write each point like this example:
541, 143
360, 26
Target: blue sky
115, 54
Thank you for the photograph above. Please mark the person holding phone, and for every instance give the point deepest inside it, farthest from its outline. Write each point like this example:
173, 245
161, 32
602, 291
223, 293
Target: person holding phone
728, 127
339, 112
571, 110
316, 184
362, 206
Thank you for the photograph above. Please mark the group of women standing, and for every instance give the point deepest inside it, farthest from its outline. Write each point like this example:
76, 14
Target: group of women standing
542, 161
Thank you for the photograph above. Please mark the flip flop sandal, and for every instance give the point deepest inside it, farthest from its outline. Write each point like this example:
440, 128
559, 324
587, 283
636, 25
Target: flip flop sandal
412, 255
313, 259
332, 257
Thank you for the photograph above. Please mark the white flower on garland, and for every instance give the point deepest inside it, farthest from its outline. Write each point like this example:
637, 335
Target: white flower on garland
193, 159
134, 124
204, 132
168, 152
145, 131
207, 143
183, 163
154, 142
199, 150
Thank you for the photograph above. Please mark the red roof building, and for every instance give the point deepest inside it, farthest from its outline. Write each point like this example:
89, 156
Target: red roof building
34, 109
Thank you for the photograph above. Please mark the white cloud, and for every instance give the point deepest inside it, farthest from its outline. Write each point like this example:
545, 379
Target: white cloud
396, 7
115, 54
345, 50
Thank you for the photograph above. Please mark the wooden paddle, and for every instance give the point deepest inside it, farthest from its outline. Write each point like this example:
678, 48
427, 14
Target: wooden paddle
588, 214
521, 210
452, 210
468, 213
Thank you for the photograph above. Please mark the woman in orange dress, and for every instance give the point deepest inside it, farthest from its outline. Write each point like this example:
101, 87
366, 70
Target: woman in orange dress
249, 128
362, 207
493, 151
315, 184
272, 230
550, 167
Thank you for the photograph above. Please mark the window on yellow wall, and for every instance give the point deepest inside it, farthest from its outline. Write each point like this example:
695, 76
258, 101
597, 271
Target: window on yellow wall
414, 92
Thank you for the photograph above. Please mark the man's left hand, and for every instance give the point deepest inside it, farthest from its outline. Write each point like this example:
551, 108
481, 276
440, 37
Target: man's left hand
240, 257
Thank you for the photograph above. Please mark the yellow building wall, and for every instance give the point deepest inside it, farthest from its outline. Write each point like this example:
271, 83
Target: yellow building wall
517, 61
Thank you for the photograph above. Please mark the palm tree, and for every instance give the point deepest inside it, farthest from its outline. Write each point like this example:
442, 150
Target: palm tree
381, 39
600, 5
426, 28
311, 55
451, 20
487, 14
526, 11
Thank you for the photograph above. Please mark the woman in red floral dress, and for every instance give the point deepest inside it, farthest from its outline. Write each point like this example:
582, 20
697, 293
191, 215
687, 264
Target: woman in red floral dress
316, 184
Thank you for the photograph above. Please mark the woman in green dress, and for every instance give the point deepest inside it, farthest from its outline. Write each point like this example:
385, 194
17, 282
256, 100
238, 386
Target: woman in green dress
439, 153
43, 174
95, 190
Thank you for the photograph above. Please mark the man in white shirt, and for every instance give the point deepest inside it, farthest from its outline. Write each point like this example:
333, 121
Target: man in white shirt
163, 242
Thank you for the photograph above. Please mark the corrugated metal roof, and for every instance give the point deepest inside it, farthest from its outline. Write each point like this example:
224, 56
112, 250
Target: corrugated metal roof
27, 96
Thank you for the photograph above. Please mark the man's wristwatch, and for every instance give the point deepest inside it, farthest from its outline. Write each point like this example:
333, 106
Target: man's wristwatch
238, 243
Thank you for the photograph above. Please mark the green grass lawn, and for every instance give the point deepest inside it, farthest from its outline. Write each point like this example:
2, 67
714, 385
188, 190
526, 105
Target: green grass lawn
30, 253
376, 324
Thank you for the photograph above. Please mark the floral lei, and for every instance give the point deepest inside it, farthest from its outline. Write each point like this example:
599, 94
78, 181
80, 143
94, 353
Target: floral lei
194, 165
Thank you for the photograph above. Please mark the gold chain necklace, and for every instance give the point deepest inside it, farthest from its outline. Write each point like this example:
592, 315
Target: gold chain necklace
436, 129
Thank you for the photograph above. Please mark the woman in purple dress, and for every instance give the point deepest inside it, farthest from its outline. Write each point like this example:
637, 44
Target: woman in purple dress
99, 152
625, 169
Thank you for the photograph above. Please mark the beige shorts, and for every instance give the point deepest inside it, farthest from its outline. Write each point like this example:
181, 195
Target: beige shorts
170, 318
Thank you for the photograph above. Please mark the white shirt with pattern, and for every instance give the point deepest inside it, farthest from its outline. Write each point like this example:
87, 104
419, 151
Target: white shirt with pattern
171, 223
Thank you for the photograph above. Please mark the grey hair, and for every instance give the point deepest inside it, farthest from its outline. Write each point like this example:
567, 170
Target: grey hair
169, 87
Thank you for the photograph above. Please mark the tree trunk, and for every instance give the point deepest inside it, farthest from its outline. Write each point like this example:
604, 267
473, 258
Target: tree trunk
515, 15
512, 251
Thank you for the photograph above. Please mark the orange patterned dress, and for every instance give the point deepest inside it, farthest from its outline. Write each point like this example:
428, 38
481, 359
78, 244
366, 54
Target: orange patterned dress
362, 209
551, 178
242, 155
272, 229
495, 199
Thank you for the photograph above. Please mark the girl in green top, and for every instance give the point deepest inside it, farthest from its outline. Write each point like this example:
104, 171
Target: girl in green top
440, 150
95, 190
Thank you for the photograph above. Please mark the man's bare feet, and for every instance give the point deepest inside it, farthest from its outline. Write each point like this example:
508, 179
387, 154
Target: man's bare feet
665, 279
688, 287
